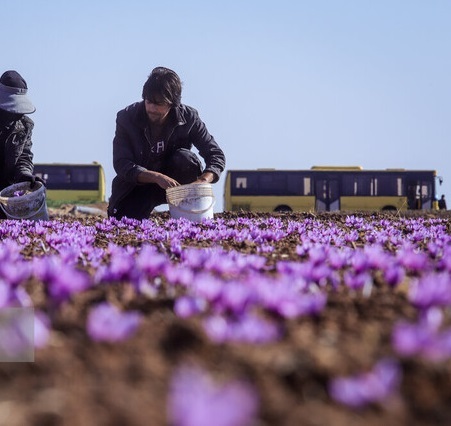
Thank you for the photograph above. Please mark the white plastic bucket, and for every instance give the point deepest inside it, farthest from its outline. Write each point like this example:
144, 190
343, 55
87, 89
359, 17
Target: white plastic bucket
194, 201
19, 201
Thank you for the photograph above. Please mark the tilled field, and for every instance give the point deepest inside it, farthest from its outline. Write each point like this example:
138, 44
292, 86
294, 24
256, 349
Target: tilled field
249, 319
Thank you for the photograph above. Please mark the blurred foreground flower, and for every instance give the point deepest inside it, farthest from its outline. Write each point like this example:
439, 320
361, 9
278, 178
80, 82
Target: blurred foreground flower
431, 289
424, 338
195, 400
16, 335
375, 386
42, 328
62, 279
107, 323
246, 328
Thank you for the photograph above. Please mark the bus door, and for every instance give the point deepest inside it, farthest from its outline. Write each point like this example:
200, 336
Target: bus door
419, 194
413, 195
327, 193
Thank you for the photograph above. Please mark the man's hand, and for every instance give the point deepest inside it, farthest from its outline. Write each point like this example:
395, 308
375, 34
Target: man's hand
165, 182
30, 178
206, 177
160, 179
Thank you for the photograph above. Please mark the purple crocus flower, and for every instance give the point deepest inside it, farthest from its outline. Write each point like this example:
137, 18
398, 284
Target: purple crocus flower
187, 306
13, 296
352, 236
377, 256
246, 328
300, 304
108, 324
18, 334
150, 261
15, 271
62, 280
217, 328
357, 280
360, 262
375, 386
394, 274
67, 282
317, 255
253, 329
409, 339
337, 259
423, 338
122, 265
5, 294
413, 260
9, 254
207, 285
196, 400
41, 329
432, 289
234, 297
311, 303
445, 261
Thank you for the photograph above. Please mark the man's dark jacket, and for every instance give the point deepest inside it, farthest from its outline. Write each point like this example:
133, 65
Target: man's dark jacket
133, 152
18, 157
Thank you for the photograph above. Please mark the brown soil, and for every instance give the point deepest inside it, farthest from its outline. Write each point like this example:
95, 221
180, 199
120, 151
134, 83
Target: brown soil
75, 381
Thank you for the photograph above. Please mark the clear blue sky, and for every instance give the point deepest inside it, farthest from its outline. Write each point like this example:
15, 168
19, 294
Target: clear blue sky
284, 84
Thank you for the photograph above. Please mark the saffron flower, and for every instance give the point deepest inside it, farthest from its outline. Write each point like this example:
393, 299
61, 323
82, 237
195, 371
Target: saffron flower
68, 282
186, 306
196, 400
16, 335
432, 289
413, 260
375, 386
62, 280
41, 329
357, 281
5, 294
423, 338
246, 328
106, 323
394, 274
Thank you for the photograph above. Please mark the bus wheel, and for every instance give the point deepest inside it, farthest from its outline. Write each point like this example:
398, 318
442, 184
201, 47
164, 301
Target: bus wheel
389, 209
283, 208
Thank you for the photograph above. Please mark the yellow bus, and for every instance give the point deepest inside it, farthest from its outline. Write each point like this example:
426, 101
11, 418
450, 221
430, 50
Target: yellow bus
330, 188
72, 183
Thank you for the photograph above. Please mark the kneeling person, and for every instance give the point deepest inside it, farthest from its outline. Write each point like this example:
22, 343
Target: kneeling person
152, 148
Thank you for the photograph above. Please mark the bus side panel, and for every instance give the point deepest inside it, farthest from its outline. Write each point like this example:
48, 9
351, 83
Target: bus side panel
372, 203
270, 203
71, 196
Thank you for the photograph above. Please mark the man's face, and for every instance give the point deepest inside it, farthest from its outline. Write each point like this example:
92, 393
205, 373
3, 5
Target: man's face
157, 111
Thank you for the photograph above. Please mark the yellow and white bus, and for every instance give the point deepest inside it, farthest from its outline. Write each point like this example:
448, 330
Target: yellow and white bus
72, 183
330, 188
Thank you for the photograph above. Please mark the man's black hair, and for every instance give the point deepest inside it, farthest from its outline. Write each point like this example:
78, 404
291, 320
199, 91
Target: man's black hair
163, 85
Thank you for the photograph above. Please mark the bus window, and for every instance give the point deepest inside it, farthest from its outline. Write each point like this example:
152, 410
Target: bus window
245, 184
272, 184
307, 186
276, 183
389, 185
86, 175
357, 185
